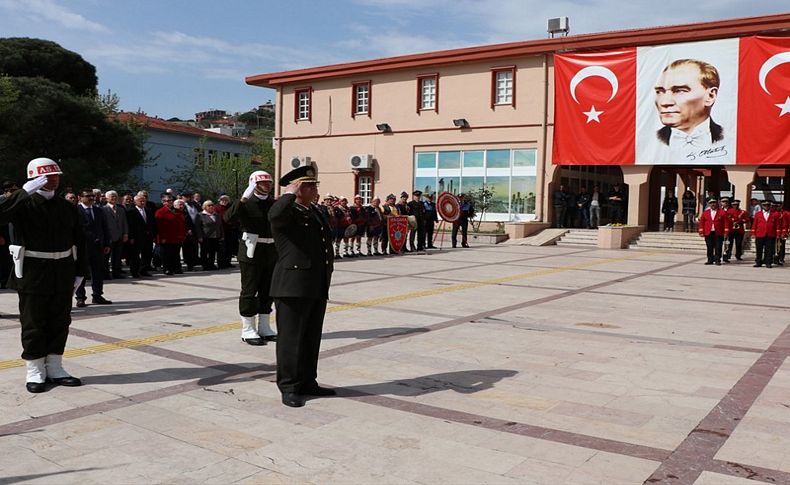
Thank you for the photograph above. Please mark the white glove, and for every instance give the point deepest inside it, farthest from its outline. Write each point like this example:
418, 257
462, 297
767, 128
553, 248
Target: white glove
31, 186
78, 281
248, 191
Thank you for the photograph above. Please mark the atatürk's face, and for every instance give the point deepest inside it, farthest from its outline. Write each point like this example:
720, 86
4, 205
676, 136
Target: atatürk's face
681, 99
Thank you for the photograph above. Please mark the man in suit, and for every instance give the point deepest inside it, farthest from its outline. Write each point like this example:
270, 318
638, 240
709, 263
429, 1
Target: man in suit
431, 218
115, 215
47, 230
764, 230
714, 226
257, 257
300, 284
418, 211
142, 233
97, 246
685, 95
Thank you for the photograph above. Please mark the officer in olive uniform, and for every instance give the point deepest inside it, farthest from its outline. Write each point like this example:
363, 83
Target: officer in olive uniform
300, 284
49, 263
257, 257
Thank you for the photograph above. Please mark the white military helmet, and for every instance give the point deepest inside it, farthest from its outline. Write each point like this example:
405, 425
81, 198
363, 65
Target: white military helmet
260, 176
42, 166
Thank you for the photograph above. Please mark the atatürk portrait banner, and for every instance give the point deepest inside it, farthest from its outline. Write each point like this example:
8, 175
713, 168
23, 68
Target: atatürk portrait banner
716, 102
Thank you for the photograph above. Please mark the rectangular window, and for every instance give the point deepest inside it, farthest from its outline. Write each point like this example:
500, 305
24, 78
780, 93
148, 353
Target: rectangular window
426, 184
498, 159
361, 95
426, 160
449, 160
365, 188
503, 86
473, 159
428, 92
525, 158
303, 104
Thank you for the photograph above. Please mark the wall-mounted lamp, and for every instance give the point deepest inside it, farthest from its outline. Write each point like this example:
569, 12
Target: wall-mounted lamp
384, 127
461, 123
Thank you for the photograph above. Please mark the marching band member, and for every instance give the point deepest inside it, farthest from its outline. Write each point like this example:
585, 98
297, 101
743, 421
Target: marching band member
764, 228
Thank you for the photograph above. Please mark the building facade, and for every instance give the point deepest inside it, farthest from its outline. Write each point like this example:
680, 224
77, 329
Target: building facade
460, 119
171, 147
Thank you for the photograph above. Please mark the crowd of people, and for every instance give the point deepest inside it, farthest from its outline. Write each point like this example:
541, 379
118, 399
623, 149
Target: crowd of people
583, 210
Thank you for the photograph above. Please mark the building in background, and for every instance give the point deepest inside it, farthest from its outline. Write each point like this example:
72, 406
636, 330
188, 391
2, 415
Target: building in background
171, 146
459, 119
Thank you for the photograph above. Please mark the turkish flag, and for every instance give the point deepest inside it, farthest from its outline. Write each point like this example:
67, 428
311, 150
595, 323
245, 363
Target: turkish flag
764, 101
595, 108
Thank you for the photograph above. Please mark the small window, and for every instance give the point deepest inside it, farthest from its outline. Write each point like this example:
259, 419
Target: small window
503, 86
428, 93
361, 99
365, 188
303, 101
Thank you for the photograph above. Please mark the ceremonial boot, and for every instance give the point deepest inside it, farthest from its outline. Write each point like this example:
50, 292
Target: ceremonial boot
337, 250
359, 248
264, 329
57, 374
347, 251
36, 375
248, 333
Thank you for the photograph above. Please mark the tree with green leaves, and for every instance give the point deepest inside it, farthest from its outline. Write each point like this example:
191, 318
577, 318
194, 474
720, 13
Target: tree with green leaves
49, 107
482, 197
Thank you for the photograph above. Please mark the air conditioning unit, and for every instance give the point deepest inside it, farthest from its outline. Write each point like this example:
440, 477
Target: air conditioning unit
558, 25
297, 161
359, 162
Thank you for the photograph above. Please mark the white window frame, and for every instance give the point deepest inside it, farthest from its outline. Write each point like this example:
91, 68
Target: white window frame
504, 87
362, 101
428, 93
365, 187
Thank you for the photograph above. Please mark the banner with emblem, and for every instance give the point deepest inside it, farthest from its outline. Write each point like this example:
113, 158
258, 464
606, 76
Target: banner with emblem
717, 102
397, 230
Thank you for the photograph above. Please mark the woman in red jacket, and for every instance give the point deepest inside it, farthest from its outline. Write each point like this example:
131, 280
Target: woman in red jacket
170, 233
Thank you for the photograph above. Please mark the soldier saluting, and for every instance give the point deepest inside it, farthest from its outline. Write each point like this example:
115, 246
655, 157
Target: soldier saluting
48, 252
257, 257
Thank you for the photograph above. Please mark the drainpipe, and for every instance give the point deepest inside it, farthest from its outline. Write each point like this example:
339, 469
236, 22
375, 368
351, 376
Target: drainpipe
539, 202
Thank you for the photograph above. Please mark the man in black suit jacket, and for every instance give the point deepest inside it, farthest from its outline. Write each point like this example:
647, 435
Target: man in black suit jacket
97, 245
300, 284
142, 231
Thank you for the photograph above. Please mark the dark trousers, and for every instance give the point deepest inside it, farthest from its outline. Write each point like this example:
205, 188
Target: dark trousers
95, 255
112, 261
463, 224
419, 234
669, 220
616, 214
171, 260
208, 252
139, 255
6, 265
764, 247
256, 280
780, 254
584, 217
688, 221
714, 242
45, 323
734, 239
429, 233
559, 215
190, 249
227, 248
299, 324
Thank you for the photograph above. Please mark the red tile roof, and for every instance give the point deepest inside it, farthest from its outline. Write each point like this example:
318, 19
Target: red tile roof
778, 24
162, 125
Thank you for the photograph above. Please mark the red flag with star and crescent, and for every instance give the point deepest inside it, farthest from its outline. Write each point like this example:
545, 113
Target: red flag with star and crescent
764, 100
594, 108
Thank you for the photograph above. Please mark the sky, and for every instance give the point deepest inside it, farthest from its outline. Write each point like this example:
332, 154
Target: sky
173, 58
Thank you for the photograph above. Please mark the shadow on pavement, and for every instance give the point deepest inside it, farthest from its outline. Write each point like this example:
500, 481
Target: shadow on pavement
463, 382
206, 375
25, 478
373, 333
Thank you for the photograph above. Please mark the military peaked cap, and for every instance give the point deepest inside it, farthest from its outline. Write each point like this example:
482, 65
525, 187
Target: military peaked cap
301, 174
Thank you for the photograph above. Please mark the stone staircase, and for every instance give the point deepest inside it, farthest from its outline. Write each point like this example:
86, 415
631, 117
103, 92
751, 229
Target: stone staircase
579, 237
677, 241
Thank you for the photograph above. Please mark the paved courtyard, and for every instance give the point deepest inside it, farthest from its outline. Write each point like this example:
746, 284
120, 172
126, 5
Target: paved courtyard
496, 364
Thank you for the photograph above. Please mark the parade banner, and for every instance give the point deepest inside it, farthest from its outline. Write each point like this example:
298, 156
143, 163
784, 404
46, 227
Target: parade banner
717, 102
397, 230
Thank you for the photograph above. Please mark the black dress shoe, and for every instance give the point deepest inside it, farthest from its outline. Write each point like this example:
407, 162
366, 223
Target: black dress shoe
319, 391
717, 263
708, 262
293, 400
769, 266
254, 341
756, 265
270, 338
80, 303
65, 381
36, 387
100, 300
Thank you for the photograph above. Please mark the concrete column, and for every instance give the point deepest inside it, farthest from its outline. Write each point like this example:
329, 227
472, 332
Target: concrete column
637, 177
742, 176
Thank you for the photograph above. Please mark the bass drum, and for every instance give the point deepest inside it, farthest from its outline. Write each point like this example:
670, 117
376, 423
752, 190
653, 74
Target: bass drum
448, 207
351, 231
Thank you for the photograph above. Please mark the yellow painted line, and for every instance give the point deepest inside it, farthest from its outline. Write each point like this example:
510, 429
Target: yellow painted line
130, 343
